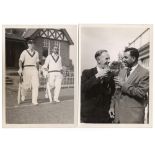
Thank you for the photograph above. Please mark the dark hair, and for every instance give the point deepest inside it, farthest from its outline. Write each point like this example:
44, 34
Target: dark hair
133, 52
98, 53
29, 40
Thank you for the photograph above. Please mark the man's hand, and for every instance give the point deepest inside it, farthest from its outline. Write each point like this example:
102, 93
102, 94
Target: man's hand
102, 73
112, 112
20, 71
44, 73
118, 81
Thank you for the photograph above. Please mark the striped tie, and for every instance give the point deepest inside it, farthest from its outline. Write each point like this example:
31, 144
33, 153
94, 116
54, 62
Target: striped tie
128, 71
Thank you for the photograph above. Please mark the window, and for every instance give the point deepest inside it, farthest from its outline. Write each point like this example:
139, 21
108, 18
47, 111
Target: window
45, 43
48, 44
57, 43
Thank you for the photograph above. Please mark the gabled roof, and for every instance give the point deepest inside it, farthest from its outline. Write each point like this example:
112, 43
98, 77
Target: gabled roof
30, 33
67, 36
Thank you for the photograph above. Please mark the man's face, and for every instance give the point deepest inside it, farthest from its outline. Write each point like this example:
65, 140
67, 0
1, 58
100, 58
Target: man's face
31, 46
55, 49
128, 60
103, 60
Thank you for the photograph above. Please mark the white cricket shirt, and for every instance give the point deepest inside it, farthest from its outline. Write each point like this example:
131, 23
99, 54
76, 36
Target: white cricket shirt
29, 57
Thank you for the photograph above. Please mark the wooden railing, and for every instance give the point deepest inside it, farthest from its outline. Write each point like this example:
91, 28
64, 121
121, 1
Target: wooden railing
67, 82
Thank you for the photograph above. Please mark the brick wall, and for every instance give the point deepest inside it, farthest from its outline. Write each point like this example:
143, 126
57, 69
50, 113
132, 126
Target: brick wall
39, 46
64, 52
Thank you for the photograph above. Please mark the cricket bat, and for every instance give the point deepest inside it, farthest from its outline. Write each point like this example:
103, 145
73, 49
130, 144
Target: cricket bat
19, 90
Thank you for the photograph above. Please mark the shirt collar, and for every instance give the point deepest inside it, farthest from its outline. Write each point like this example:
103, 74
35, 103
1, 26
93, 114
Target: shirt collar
98, 69
134, 67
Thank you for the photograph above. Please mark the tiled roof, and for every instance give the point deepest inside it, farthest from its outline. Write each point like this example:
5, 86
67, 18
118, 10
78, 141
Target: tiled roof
29, 33
14, 37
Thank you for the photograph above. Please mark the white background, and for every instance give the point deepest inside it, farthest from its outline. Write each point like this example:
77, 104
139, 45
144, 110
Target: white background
113, 38
76, 141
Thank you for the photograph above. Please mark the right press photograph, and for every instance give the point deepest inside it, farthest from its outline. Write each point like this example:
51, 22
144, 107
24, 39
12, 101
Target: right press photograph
115, 72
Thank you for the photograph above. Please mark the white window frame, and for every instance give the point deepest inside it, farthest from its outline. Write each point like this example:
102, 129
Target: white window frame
45, 43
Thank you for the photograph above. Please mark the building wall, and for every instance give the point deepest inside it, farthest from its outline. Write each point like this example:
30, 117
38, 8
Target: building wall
143, 44
64, 49
144, 57
64, 53
39, 46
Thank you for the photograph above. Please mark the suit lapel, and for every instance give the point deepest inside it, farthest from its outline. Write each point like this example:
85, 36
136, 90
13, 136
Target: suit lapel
134, 74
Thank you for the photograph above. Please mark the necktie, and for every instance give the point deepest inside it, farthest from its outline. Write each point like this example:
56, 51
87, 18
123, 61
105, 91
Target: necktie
128, 71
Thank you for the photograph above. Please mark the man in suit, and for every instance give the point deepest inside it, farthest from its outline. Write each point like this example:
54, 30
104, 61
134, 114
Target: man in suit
134, 85
97, 87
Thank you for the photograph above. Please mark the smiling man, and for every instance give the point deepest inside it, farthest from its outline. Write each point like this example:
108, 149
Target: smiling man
97, 87
134, 83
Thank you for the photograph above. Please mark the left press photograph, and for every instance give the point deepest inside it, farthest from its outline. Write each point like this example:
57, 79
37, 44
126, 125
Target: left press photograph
39, 70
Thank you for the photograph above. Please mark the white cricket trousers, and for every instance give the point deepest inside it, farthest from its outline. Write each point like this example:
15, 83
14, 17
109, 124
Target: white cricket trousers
54, 81
31, 80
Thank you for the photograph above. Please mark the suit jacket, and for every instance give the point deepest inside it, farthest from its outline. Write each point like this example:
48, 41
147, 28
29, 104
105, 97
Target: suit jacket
130, 106
95, 97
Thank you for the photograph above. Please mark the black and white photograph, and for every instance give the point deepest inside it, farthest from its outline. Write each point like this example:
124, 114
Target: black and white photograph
39, 70
115, 74
77, 77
